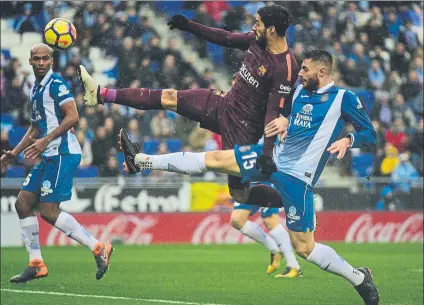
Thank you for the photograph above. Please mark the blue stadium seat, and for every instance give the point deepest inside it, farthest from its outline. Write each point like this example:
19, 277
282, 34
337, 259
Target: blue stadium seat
6, 53
362, 165
87, 172
215, 53
16, 172
6, 118
174, 145
16, 134
150, 147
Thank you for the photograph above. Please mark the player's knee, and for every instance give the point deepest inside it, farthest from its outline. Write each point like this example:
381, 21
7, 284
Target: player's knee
48, 214
303, 249
169, 99
237, 222
22, 208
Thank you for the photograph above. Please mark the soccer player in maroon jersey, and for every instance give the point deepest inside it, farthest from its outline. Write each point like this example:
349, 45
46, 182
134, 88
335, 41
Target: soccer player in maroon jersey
266, 76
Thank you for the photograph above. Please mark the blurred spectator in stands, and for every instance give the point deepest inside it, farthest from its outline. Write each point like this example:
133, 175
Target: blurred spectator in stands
161, 125
71, 77
326, 39
15, 95
169, 75
134, 26
401, 110
12, 70
365, 42
83, 126
79, 100
111, 133
392, 84
375, 27
134, 131
298, 50
111, 169
115, 42
183, 128
400, 59
397, 136
383, 58
412, 87
308, 34
409, 37
376, 75
99, 147
153, 50
393, 25
390, 161
417, 144
215, 9
128, 63
101, 31
350, 74
361, 59
94, 118
396, 196
27, 22
146, 74
198, 138
87, 154
418, 67
204, 18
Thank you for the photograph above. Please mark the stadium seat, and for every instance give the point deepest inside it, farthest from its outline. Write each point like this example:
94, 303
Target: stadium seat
16, 172
362, 165
6, 118
150, 147
215, 53
16, 134
87, 172
174, 145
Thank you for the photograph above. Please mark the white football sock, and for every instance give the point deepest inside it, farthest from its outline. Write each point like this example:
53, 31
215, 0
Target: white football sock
327, 259
70, 226
282, 238
182, 162
31, 236
256, 233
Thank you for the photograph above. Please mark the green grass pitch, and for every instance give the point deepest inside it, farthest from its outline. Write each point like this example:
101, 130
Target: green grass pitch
198, 275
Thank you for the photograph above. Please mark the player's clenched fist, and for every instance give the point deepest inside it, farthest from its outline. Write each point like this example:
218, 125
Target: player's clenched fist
178, 22
340, 146
6, 159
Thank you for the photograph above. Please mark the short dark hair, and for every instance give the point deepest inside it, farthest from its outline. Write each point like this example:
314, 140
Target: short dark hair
320, 55
277, 16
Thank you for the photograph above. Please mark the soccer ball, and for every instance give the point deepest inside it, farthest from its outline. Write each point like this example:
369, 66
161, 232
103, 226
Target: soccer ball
60, 34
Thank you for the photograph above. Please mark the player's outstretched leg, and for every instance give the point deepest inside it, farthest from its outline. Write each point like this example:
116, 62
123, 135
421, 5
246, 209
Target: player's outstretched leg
186, 163
66, 223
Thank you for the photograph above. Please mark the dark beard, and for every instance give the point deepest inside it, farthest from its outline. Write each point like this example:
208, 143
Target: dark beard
312, 84
261, 41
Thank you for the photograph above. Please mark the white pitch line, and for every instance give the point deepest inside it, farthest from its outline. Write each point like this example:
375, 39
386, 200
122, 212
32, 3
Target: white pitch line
106, 297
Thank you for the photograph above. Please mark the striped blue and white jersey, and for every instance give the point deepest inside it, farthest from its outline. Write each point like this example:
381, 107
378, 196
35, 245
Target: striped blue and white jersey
46, 99
317, 120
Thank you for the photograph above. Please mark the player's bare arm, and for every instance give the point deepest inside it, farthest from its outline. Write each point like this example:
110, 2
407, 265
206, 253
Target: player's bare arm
38, 146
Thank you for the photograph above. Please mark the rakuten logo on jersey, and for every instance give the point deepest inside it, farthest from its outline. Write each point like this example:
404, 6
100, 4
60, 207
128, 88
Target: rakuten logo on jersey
247, 76
364, 230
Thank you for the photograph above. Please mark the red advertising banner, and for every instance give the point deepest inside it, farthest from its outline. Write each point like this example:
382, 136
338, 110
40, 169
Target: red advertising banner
215, 228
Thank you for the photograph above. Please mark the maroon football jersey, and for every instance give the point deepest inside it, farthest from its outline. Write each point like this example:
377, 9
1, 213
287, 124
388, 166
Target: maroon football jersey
262, 83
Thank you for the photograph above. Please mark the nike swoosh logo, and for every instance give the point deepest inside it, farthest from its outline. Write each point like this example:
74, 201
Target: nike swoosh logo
290, 221
304, 96
248, 51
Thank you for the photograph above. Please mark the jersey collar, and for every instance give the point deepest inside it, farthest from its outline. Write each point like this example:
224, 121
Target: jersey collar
325, 88
46, 78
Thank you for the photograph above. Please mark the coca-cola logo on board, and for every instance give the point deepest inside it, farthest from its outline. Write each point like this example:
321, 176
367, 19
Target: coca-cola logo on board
363, 229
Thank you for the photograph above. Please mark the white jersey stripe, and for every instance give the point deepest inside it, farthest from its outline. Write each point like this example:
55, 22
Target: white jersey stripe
317, 146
